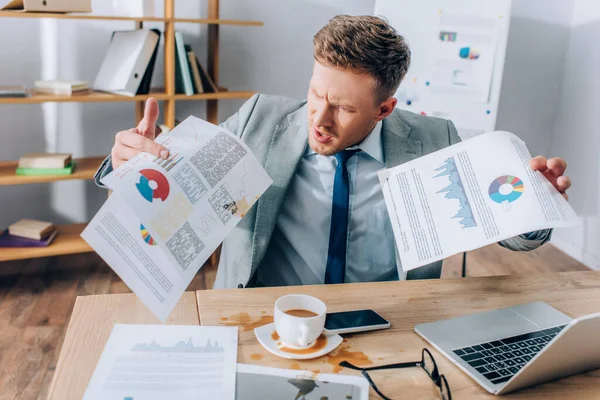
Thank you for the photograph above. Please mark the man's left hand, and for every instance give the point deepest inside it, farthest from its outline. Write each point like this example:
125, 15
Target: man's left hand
554, 170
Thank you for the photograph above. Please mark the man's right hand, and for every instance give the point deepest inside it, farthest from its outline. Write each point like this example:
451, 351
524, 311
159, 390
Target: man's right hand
136, 140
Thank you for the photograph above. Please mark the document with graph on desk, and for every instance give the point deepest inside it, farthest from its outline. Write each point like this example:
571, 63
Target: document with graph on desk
166, 361
467, 196
166, 217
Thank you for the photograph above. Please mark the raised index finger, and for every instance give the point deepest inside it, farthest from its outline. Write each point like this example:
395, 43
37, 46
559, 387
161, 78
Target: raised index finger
147, 125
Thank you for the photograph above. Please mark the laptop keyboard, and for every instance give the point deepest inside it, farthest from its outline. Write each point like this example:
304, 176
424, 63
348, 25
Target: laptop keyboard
499, 360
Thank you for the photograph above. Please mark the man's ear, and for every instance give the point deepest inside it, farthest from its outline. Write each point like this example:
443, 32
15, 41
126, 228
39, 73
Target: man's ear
386, 107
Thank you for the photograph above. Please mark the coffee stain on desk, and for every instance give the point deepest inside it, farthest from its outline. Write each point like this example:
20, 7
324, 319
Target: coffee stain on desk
357, 358
245, 321
295, 366
256, 357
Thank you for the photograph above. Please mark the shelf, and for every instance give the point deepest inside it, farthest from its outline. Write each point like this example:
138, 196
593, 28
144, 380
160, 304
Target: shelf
16, 14
20, 14
84, 169
219, 22
215, 96
68, 241
93, 97
101, 97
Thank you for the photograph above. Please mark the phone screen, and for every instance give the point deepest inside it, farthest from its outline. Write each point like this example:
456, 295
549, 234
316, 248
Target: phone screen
353, 319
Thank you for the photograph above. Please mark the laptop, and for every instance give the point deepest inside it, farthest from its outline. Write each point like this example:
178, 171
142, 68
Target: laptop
516, 347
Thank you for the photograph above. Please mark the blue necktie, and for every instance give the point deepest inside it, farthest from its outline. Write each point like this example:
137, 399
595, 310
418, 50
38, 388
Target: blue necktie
338, 233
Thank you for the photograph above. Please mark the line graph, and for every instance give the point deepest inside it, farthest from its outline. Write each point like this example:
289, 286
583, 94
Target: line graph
180, 347
456, 191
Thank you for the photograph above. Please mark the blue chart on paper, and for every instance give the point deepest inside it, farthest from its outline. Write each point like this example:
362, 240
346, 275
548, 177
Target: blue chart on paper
180, 347
456, 190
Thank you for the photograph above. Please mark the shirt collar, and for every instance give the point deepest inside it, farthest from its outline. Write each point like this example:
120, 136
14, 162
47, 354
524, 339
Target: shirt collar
370, 145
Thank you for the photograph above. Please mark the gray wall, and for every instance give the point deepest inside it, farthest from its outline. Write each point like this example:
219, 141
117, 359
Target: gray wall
533, 70
577, 136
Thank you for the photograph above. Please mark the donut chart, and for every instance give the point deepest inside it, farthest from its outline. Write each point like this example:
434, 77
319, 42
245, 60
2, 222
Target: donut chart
146, 236
162, 185
517, 189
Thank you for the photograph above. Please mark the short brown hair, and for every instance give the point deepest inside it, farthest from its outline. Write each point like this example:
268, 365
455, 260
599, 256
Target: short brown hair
364, 44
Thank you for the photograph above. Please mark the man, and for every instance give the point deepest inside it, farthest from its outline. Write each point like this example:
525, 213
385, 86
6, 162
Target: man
324, 219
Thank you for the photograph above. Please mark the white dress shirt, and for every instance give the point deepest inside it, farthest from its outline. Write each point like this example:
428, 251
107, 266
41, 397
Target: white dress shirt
297, 252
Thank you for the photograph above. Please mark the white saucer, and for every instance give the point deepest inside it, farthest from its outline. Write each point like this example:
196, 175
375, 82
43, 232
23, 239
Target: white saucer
265, 337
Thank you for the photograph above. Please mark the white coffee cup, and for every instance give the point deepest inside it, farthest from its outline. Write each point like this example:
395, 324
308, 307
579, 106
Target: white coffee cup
294, 331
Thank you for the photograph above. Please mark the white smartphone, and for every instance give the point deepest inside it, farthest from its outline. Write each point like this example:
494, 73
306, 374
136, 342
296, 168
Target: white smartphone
354, 321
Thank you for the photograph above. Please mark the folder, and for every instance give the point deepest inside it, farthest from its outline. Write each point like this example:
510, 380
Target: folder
129, 62
53, 6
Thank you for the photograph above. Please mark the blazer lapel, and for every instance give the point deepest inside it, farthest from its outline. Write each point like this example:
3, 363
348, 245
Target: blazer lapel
397, 147
288, 144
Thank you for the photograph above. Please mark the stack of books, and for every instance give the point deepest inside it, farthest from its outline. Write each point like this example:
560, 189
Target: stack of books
62, 88
13, 91
28, 233
190, 76
45, 164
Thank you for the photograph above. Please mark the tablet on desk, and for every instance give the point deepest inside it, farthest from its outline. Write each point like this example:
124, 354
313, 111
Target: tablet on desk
254, 382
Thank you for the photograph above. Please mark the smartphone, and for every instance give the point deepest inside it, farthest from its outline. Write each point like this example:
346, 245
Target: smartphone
354, 321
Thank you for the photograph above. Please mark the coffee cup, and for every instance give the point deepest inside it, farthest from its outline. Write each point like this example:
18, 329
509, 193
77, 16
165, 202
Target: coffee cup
299, 319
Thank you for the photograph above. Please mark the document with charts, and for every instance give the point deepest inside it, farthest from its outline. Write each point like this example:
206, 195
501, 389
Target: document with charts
156, 362
467, 196
166, 217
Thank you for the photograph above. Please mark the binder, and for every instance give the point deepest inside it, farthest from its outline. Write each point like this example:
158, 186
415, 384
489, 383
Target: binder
54, 6
129, 62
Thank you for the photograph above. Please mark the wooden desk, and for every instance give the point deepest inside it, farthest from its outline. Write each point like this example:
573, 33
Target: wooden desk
406, 304
91, 323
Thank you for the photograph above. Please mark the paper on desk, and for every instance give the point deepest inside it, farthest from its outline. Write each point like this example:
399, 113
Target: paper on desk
169, 216
166, 362
467, 196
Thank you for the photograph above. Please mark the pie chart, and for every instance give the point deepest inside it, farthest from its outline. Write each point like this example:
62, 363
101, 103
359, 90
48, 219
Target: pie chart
468, 53
158, 189
146, 235
506, 188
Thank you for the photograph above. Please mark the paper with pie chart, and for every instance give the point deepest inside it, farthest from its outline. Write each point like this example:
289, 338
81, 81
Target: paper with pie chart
167, 216
467, 196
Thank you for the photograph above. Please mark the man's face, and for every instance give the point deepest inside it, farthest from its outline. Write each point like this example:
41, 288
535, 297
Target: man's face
342, 109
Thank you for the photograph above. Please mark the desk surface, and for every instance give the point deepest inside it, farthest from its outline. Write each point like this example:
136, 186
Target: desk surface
403, 303
406, 304
91, 323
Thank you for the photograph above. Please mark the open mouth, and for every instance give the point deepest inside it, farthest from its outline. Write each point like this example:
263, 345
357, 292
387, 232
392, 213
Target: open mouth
321, 137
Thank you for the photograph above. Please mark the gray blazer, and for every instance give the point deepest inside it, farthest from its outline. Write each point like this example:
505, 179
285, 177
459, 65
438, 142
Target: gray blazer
276, 130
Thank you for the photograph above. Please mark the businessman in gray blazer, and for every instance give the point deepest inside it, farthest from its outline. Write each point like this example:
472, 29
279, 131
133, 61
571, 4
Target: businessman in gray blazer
324, 219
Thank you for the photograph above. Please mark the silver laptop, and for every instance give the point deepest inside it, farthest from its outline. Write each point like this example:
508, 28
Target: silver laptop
516, 347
